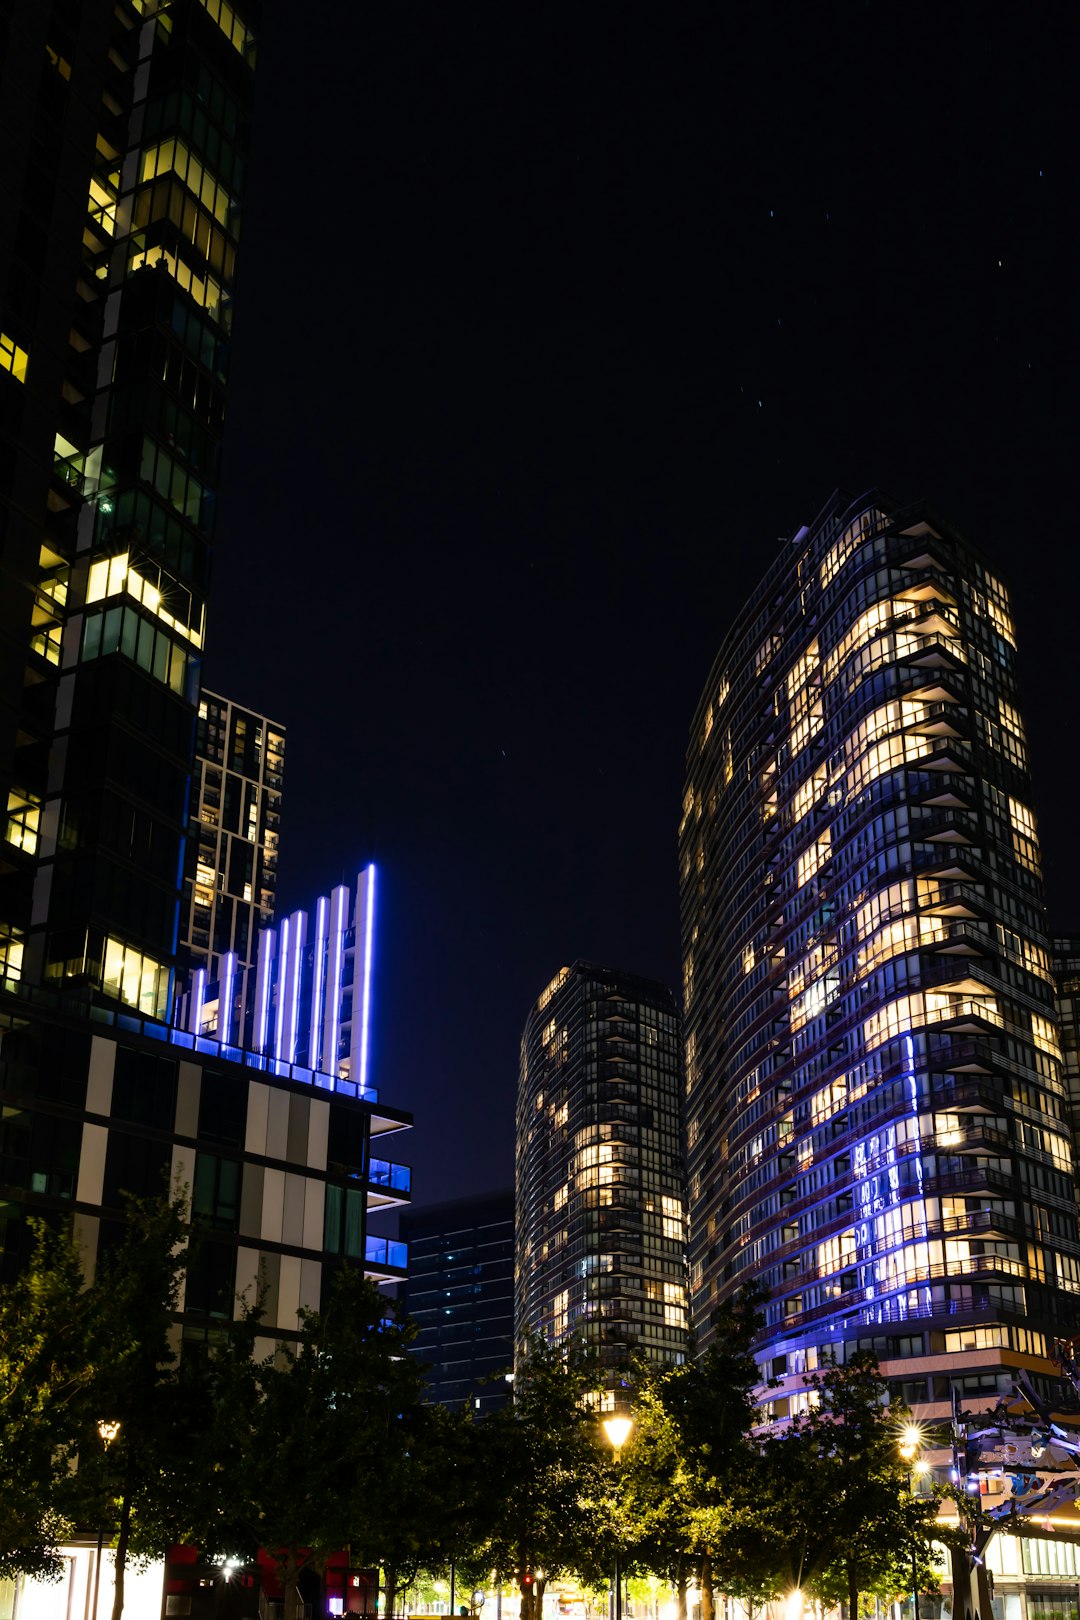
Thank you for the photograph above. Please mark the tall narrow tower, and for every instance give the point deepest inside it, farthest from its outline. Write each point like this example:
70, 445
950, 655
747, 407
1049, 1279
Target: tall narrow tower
125, 127
876, 1114
600, 1212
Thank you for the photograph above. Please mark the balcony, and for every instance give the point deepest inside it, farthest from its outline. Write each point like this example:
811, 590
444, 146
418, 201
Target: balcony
390, 1183
385, 1253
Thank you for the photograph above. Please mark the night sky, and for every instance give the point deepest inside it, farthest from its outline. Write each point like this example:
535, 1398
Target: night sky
552, 319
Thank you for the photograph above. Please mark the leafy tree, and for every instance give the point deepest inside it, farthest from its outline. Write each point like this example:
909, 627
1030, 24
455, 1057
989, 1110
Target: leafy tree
541, 1474
45, 1370
849, 1522
689, 1456
139, 1481
331, 1435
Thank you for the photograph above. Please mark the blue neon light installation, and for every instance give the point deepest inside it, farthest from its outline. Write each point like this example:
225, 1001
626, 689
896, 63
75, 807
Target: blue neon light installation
294, 985
283, 974
262, 990
339, 911
365, 1013
322, 918
225, 997
198, 1000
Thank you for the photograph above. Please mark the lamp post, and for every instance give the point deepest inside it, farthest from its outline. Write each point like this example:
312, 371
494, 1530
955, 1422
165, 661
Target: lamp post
910, 1444
617, 1429
108, 1429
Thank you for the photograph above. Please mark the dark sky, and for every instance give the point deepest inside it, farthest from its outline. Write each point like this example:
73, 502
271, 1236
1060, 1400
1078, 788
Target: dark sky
552, 319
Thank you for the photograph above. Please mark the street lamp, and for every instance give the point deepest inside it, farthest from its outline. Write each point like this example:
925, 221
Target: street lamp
911, 1440
617, 1429
108, 1429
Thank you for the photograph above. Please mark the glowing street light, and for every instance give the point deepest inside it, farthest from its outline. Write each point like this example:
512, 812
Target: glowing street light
108, 1429
617, 1429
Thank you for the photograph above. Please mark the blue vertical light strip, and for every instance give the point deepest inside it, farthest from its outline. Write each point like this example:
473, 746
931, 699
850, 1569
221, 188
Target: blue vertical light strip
339, 910
267, 941
365, 1012
296, 966
282, 976
198, 1000
225, 997
908, 1044
318, 979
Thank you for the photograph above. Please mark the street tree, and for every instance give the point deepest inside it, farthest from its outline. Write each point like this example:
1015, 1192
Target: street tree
46, 1368
330, 1437
540, 1508
849, 1523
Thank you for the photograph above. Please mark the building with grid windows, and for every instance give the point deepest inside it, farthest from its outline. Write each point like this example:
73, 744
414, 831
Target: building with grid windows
232, 853
1067, 979
125, 129
460, 1293
877, 1119
600, 1223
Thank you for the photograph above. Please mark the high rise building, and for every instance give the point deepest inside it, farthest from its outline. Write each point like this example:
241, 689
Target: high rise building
601, 1215
460, 1293
232, 852
125, 131
877, 1119
1067, 980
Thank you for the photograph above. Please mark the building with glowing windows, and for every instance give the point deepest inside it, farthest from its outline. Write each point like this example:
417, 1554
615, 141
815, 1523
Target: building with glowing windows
230, 875
125, 131
876, 1114
600, 1210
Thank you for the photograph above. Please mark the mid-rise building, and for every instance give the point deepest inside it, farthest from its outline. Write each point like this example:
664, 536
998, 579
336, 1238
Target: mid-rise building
877, 1117
460, 1293
125, 133
232, 851
601, 1214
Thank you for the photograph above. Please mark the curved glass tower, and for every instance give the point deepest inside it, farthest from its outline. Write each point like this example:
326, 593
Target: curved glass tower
876, 1114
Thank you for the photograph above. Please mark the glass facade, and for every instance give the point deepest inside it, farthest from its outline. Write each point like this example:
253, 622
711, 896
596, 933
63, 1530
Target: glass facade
600, 1204
126, 125
460, 1294
232, 852
876, 1114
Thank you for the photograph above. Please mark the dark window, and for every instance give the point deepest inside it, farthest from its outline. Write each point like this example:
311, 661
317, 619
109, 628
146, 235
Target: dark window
38, 1153
222, 1108
144, 1089
343, 1227
345, 1154
211, 1279
216, 1195
136, 1165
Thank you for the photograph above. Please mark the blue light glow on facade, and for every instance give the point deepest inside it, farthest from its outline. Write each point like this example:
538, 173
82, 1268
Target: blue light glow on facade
365, 1012
314, 990
225, 999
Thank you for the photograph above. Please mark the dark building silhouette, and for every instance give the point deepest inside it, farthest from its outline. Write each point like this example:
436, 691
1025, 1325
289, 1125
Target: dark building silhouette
601, 1212
125, 130
877, 1116
460, 1293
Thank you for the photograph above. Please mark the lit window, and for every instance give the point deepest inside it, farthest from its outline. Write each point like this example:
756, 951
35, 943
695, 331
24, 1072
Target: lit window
23, 820
12, 358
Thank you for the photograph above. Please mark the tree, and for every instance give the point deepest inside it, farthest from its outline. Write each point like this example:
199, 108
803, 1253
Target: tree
138, 1482
330, 1435
541, 1476
849, 1522
45, 1370
690, 1453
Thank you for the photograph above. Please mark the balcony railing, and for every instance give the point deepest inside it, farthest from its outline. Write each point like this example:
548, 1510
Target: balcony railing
382, 1173
386, 1252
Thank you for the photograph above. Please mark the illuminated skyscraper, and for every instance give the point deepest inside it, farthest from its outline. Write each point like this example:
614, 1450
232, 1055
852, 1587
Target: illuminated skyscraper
232, 852
876, 1113
125, 129
600, 1208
